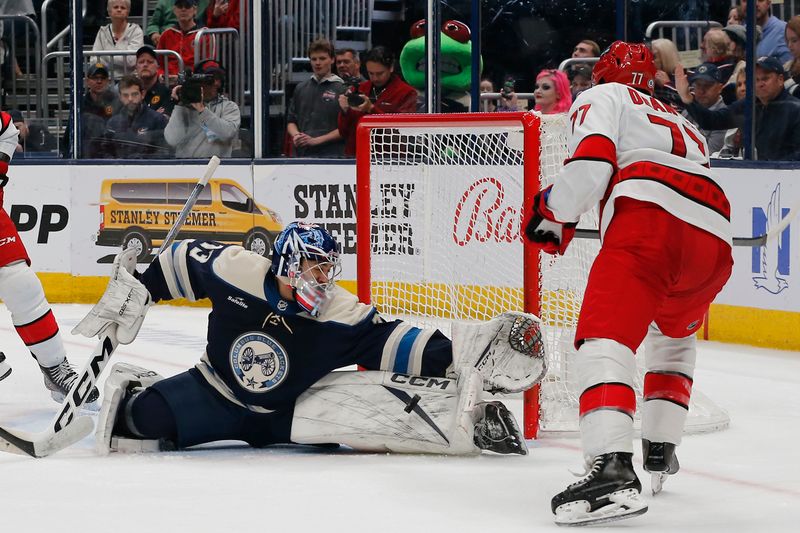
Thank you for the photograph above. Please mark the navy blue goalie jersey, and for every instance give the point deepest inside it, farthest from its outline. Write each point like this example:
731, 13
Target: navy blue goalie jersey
263, 350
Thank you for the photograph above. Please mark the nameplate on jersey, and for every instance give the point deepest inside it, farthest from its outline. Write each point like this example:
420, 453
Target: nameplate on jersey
258, 361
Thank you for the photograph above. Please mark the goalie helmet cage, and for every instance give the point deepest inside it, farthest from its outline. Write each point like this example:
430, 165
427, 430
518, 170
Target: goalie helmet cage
440, 201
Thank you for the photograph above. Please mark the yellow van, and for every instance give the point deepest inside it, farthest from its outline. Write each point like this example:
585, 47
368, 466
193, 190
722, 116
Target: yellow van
139, 212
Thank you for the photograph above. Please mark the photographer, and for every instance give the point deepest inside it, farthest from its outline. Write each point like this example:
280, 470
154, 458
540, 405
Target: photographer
311, 119
383, 93
204, 122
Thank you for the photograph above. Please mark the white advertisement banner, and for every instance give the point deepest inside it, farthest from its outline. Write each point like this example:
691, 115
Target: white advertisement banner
74, 218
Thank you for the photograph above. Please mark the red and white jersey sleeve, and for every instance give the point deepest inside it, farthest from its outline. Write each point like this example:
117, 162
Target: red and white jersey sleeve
625, 143
9, 135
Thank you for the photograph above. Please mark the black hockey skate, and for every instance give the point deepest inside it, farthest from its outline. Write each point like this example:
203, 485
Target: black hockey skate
609, 492
498, 432
660, 460
59, 380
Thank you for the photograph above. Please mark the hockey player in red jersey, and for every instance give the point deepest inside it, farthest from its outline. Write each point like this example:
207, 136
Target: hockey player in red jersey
666, 253
22, 292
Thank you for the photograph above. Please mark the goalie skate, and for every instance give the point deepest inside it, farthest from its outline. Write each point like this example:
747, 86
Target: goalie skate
507, 352
610, 492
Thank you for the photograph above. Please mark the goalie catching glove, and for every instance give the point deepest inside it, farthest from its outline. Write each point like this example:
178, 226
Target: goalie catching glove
544, 231
507, 352
124, 303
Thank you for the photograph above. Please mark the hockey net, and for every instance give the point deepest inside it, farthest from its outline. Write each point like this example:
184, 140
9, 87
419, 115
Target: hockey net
440, 202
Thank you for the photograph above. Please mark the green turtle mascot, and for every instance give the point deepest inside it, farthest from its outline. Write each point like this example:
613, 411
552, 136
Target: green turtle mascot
456, 64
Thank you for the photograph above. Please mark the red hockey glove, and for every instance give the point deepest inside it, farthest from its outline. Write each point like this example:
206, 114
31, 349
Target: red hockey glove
544, 231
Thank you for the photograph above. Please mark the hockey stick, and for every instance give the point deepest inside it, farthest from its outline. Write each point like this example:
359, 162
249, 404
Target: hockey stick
759, 240
62, 430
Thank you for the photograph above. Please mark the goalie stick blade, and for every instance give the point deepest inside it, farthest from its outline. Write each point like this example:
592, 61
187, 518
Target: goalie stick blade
42, 445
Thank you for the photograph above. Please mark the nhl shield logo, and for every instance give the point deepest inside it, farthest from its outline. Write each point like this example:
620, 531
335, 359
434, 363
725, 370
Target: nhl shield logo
259, 362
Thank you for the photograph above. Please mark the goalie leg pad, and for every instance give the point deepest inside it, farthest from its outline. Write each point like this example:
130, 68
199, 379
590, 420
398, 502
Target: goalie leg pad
124, 382
507, 351
390, 412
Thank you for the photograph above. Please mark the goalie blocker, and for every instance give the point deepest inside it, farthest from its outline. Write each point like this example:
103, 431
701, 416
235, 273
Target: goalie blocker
368, 411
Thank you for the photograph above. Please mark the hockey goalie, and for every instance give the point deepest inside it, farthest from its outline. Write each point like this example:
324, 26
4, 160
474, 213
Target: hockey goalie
277, 330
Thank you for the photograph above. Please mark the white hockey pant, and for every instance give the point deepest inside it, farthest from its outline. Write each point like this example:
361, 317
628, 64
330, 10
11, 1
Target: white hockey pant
602, 361
23, 295
665, 408
390, 412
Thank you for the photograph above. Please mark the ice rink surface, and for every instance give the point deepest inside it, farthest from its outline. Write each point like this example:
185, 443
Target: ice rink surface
744, 479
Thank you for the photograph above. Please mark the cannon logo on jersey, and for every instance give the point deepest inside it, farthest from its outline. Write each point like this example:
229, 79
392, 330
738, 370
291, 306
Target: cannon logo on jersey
770, 263
259, 362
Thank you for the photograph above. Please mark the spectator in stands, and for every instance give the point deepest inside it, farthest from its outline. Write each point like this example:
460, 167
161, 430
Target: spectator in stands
156, 94
716, 48
311, 121
348, 64
222, 14
665, 57
580, 79
773, 40
136, 131
32, 137
777, 134
164, 17
736, 16
792, 66
551, 92
738, 37
119, 35
181, 36
707, 81
383, 93
101, 97
507, 101
210, 126
586, 48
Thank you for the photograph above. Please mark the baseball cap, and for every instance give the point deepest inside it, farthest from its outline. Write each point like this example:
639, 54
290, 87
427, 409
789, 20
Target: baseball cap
98, 68
146, 49
708, 72
210, 66
16, 116
581, 69
188, 2
771, 63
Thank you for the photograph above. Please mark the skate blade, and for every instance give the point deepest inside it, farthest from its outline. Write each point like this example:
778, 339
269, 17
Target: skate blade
623, 504
91, 407
657, 480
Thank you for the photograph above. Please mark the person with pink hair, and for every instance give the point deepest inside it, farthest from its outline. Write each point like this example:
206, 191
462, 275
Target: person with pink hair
552, 92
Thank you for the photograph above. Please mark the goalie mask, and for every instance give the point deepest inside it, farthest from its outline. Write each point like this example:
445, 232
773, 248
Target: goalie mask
307, 258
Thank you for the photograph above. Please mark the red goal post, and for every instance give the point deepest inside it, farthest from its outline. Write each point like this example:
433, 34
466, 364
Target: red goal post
440, 201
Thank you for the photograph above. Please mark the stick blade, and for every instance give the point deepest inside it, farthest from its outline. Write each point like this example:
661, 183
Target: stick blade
47, 443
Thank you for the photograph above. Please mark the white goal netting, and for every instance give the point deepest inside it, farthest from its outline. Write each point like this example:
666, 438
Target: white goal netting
445, 214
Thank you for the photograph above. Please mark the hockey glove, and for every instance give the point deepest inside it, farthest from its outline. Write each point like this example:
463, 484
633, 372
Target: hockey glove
544, 231
124, 303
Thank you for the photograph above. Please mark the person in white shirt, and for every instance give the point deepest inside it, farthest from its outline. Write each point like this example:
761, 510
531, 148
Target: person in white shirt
119, 35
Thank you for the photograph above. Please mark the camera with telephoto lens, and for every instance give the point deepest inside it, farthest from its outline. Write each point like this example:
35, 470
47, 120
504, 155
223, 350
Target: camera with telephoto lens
191, 91
353, 94
508, 88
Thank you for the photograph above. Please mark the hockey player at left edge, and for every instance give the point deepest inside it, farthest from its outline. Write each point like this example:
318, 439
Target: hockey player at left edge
277, 330
22, 292
665, 254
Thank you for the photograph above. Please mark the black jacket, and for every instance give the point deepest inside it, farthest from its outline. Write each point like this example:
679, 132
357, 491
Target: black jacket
777, 125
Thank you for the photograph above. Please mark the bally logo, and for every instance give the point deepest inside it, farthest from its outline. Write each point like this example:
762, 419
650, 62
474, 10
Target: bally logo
770, 263
238, 301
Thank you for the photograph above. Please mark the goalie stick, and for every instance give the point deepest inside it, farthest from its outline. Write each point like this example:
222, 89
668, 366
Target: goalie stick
758, 240
64, 430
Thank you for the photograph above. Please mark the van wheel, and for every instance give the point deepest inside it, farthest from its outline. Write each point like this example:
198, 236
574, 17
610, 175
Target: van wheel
258, 241
138, 240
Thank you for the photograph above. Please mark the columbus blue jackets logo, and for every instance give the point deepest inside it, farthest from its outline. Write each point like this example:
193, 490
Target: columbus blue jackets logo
259, 362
